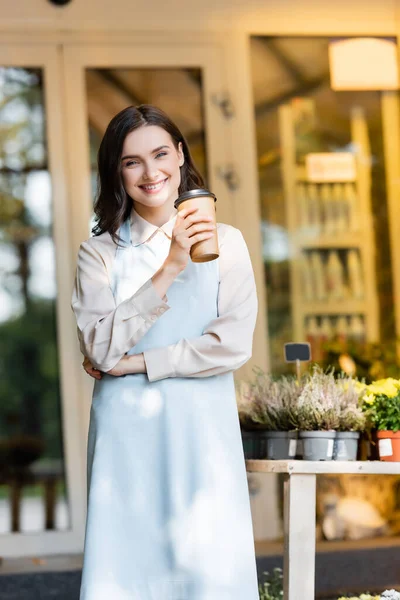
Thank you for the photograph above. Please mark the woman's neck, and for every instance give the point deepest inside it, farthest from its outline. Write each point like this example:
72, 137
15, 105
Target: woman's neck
156, 216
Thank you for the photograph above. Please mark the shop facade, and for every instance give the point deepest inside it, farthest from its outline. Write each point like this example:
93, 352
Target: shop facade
250, 87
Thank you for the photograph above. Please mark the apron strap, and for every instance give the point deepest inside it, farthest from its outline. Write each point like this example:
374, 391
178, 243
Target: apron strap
125, 233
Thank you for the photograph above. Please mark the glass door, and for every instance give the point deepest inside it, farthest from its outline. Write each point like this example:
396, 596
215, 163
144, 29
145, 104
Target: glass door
41, 491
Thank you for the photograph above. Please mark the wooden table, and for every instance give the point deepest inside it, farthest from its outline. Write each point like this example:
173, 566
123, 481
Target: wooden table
299, 516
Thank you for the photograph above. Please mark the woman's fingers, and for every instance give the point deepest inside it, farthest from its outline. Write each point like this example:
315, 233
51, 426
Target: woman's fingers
199, 237
200, 228
90, 369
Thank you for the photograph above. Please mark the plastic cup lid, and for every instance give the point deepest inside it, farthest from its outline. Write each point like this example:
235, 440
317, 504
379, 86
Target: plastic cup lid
193, 194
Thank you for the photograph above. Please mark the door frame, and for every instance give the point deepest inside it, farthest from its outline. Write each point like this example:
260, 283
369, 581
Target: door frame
50, 542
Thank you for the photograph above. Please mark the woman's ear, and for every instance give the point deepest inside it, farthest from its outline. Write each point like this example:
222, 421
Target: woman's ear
181, 155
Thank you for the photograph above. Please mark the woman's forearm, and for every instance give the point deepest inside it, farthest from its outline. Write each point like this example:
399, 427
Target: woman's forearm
164, 278
134, 364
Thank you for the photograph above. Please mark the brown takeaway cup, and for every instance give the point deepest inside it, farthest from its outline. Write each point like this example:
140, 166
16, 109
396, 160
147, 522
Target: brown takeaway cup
205, 201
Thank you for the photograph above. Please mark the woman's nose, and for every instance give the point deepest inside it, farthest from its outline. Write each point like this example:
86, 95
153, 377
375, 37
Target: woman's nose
150, 172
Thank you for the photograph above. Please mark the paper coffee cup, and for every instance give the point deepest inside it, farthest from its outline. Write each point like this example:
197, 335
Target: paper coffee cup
205, 201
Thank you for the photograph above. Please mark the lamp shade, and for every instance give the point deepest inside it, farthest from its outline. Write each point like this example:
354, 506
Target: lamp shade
363, 64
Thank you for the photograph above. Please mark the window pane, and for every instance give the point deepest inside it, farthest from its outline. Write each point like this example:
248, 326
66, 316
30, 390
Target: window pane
326, 245
33, 494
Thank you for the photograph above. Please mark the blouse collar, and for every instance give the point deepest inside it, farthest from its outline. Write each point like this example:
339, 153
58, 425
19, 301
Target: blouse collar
142, 231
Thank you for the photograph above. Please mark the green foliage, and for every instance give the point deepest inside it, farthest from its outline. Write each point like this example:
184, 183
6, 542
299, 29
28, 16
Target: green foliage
29, 391
384, 413
272, 586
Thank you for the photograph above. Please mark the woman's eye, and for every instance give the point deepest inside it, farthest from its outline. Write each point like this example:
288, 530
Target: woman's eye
130, 163
161, 154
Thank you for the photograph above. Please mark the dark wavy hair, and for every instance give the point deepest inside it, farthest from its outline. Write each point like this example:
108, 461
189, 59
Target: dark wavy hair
113, 205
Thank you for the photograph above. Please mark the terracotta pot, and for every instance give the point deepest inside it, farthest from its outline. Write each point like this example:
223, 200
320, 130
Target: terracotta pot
389, 445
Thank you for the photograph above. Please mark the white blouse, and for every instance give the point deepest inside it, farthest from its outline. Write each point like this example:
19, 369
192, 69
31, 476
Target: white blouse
107, 331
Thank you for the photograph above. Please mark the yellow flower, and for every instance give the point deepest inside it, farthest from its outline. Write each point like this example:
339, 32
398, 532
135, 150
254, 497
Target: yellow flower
369, 398
389, 387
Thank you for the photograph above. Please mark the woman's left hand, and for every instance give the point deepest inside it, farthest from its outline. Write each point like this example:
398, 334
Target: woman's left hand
129, 364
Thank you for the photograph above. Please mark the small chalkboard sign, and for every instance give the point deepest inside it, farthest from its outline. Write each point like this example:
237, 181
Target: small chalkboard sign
295, 352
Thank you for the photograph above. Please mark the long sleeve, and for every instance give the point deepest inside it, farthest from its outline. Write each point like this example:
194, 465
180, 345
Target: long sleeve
226, 343
106, 331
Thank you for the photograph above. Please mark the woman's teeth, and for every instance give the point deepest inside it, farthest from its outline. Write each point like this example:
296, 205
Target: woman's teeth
155, 186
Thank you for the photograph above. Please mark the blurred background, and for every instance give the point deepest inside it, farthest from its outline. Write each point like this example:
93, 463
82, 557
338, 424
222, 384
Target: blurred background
292, 114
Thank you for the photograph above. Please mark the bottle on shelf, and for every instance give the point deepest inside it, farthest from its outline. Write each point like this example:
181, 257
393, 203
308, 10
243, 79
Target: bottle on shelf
356, 280
357, 329
314, 209
306, 277
342, 329
340, 208
335, 276
318, 275
328, 208
327, 332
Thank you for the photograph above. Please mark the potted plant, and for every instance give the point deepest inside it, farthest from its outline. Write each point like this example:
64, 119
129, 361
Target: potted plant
317, 412
253, 428
352, 420
381, 403
273, 402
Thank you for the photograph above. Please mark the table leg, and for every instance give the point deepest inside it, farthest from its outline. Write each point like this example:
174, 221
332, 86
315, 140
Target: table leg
50, 502
299, 530
15, 500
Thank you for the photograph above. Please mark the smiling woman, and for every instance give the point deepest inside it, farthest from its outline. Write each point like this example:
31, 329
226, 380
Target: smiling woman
162, 521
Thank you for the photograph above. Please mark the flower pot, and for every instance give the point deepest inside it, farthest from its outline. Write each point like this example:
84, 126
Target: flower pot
260, 444
254, 444
318, 445
248, 444
346, 445
389, 445
281, 445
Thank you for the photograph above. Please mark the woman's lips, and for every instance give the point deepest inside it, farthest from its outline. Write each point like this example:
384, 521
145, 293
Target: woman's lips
153, 188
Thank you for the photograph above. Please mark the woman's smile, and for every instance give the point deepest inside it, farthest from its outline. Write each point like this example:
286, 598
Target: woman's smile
153, 188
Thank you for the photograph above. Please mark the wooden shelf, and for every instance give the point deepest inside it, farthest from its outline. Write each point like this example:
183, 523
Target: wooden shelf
336, 307
341, 240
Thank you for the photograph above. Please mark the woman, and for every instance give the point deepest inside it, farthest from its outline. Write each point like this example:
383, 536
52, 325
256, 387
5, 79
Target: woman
168, 507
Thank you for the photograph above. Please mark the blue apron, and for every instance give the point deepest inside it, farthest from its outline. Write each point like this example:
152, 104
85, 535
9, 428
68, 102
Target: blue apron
168, 504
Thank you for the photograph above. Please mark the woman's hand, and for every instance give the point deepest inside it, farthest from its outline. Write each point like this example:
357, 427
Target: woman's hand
90, 370
129, 364
189, 229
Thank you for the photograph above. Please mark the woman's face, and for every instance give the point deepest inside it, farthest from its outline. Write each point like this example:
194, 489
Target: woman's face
150, 166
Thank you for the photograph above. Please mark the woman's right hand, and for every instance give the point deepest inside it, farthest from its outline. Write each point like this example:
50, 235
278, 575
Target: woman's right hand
189, 229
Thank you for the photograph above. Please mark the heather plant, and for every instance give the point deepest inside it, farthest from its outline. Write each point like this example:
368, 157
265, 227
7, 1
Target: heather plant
351, 416
319, 403
271, 402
